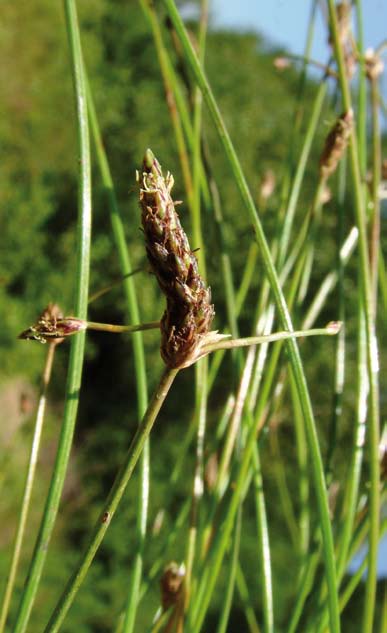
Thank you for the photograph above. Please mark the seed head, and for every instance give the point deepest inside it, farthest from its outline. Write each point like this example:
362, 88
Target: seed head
335, 144
373, 64
53, 327
189, 313
172, 584
267, 184
343, 12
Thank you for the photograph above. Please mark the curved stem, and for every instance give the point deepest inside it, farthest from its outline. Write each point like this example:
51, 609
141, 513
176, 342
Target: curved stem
113, 499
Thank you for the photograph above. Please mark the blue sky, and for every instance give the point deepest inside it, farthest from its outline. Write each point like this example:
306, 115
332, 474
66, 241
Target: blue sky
284, 23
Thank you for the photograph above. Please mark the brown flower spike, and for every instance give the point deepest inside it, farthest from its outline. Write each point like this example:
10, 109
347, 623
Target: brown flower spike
172, 585
189, 313
335, 144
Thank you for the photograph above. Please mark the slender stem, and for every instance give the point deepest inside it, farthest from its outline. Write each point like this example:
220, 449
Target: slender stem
353, 477
201, 369
231, 577
312, 62
330, 280
138, 350
281, 477
120, 329
78, 343
150, 13
304, 587
235, 423
196, 147
198, 484
371, 342
339, 379
311, 238
362, 91
117, 282
246, 601
376, 171
329, 330
299, 174
28, 486
112, 501
263, 544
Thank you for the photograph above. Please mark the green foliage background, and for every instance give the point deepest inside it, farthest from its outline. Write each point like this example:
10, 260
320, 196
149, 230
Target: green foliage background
38, 209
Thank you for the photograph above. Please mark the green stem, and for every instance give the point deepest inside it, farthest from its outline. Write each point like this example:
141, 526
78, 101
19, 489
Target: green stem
201, 369
196, 146
263, 544
246, 601
376, 171
120, 329
330, 280
78, 343
113, 499
330, 330
117, 282
231, 576
299, 175
371, 342
28, 486
150, 12
198, 484
139, 357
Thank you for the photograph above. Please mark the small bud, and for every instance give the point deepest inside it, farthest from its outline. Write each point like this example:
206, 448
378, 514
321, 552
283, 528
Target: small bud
211, 471
267, 184
52, 327
334, 327
281, 63
350, 63
326, 195
343, 12
335, 144
373, 64
333, 493
158, 522
172, 585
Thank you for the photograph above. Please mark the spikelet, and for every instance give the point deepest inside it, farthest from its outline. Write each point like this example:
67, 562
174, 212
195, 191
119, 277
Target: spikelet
189, 313
335, 144
344, 18
373, 64
172, 585
53, 327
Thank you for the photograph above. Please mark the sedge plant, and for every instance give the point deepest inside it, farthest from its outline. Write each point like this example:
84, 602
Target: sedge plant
325, 511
